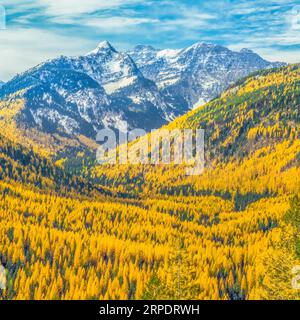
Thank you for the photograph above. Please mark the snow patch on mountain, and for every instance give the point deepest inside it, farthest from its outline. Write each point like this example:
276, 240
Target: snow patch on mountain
167, 54
199, 103
115, 120
64, 123
111, 87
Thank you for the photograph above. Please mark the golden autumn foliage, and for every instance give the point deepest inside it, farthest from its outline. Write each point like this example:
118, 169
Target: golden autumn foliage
152, 232
60, 248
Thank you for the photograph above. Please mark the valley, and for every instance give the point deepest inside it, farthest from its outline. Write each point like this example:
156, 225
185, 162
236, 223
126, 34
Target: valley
141, 231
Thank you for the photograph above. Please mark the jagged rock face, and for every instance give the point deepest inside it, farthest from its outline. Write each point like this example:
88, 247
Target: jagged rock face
197, 74
80, 95
144, 88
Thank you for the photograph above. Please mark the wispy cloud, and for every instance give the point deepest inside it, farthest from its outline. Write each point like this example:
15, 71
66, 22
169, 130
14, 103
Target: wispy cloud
20, 50
270, 27
65, 7
120, 23
189, 18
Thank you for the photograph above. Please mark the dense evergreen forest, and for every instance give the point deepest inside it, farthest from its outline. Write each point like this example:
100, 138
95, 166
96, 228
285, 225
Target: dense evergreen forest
144, 231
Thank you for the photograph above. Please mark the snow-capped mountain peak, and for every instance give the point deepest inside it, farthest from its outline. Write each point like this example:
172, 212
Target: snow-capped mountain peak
144, 87
103, 46
141, 47
246, 50
80, 95
198, 73
201, 45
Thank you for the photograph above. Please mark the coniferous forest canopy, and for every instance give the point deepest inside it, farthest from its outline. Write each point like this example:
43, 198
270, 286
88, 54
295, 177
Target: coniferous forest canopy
73, 229
149, 153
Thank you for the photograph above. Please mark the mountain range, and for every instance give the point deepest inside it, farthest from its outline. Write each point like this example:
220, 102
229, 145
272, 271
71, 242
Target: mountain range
193, 76
142, 88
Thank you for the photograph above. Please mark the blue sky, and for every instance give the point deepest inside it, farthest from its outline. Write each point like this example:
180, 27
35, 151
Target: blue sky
40, 29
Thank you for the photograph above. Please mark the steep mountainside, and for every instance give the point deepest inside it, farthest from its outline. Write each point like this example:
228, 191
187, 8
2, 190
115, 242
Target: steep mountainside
22, 166
63, 102
254, 123
197, 74
80, 95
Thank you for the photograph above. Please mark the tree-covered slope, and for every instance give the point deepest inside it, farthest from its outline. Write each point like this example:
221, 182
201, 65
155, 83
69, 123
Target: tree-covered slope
260, 110
251, 142
21, 165
230, 233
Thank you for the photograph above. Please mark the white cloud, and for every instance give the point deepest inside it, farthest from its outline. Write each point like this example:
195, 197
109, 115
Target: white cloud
72, 8
116, 24
280, 55
187, 19
268, 53
174, 22
64, 7
21, 49
294, 18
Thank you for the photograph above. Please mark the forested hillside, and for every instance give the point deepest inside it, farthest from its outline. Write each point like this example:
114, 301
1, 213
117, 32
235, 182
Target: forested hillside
230, 233
22, 165
251, 142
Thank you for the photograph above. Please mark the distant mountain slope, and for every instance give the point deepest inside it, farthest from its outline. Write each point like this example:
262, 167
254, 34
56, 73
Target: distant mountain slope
194, 75
80, 95
66, 100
